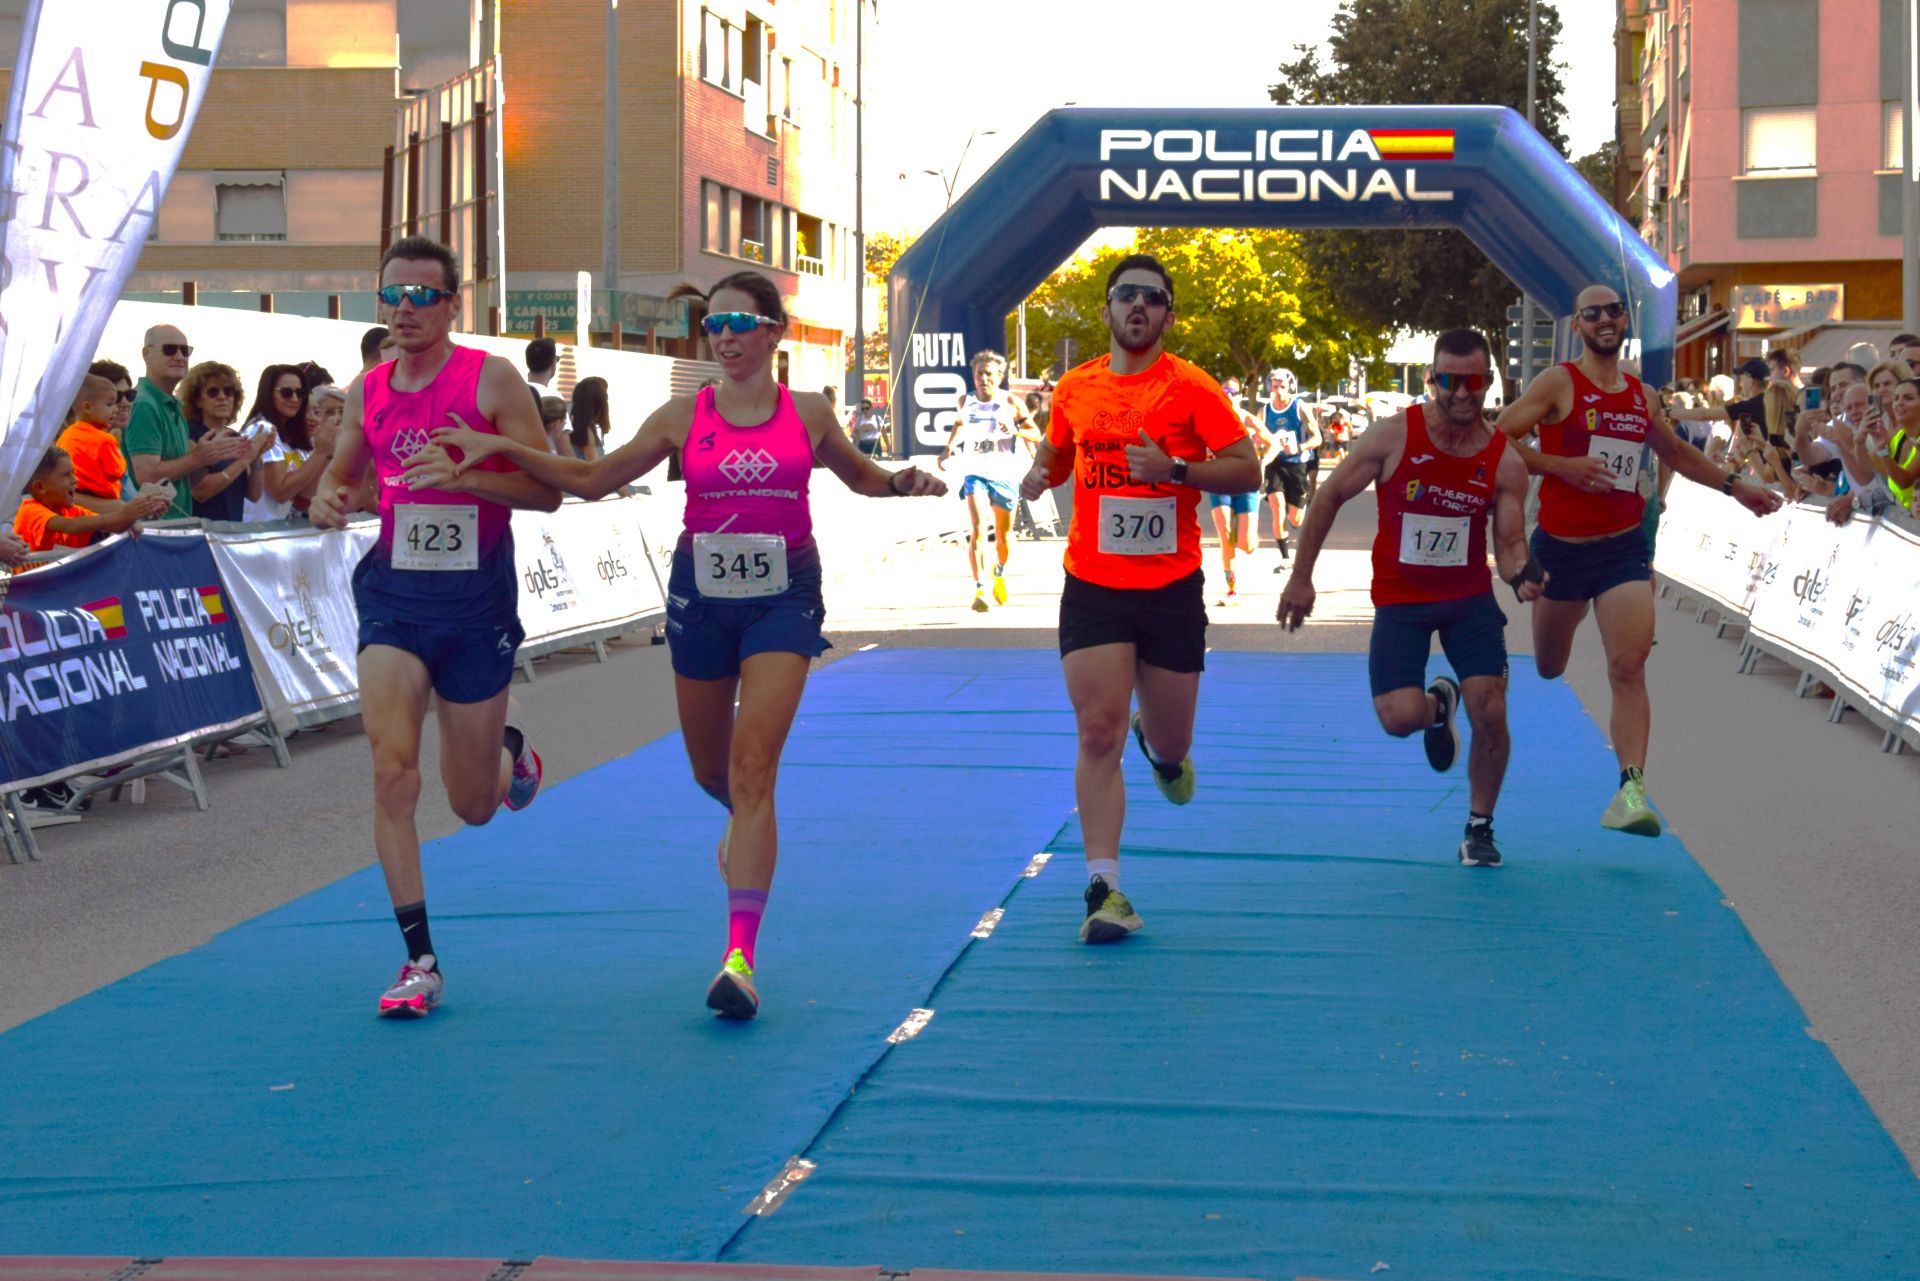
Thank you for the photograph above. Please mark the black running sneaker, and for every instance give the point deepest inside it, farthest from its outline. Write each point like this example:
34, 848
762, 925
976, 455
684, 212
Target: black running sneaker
1478, 849
1442, 737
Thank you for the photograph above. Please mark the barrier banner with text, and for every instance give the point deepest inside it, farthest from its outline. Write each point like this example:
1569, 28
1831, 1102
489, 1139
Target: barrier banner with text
293, 592
1839, 600
125, 649
582, 569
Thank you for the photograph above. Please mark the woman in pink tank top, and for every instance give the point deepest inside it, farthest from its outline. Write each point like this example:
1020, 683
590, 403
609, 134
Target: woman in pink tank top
743, 604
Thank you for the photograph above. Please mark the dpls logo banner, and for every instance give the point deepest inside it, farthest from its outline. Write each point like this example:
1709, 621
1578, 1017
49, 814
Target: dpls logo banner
104, 94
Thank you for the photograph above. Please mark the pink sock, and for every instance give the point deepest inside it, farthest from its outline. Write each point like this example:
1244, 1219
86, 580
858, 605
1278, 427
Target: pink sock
744, 910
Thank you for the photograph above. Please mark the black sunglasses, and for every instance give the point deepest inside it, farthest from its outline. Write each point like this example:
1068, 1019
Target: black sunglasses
1152, 295
126, 397
1611, 310
175, 349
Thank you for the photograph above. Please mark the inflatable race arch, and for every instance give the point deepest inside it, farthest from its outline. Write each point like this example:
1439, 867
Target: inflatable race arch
1483, 170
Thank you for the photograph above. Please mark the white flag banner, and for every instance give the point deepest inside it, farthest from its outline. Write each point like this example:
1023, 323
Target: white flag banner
102, 99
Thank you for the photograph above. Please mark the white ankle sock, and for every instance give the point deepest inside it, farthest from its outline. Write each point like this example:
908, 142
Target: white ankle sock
1107, 869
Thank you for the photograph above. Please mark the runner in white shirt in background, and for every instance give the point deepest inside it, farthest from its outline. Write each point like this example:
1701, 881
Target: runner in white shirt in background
994, 436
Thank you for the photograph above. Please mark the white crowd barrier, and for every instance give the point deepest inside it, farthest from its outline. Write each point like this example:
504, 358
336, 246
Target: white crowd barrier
1839, 602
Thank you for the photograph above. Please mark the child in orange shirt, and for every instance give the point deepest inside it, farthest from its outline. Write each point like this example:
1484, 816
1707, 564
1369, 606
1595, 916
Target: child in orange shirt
48, 519
99, 465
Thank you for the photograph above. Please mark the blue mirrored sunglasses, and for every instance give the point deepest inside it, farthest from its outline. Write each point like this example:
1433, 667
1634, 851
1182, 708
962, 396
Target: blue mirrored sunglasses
741, 322
418, 295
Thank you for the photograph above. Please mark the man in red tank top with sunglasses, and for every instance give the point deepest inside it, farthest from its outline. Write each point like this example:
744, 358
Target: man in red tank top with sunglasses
1597, 424
1440, 472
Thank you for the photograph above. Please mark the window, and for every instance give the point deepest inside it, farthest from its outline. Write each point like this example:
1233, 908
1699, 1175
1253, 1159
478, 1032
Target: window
754, 229
250, 206
713, 200
753, 50
1893, 127
719, 51
810, 247
1778, 141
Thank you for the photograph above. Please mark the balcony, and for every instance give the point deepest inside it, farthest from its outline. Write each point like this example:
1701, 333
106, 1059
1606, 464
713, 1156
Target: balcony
811, 266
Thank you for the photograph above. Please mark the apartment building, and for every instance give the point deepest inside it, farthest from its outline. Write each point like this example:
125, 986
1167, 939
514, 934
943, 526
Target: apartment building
278, 190
1760, 152
735, 145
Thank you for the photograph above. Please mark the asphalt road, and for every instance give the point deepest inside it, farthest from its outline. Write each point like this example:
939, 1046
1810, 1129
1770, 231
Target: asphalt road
1808, 829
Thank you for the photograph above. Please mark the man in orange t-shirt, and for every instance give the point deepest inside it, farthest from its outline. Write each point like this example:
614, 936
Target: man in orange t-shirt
1142, 433
99, 465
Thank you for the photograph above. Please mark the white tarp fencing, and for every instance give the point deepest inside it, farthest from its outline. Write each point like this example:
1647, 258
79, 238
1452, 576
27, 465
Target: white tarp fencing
1839, 601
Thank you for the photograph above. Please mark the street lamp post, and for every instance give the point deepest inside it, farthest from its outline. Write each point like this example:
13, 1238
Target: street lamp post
1526, 299
610, 177
857, 370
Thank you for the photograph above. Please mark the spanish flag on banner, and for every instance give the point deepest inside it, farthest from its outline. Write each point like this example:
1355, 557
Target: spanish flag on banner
1413, 144
110, 615
210, 599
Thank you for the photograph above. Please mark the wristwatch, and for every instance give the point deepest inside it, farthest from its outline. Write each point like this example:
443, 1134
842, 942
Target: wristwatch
1179, 471
1726, 486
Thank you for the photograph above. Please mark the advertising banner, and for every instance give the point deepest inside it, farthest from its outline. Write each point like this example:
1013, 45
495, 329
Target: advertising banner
126, 648
293, 593
583, 569
98, 112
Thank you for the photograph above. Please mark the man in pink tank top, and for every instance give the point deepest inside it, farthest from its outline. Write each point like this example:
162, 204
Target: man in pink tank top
1440, 474
1596, 424
437, 596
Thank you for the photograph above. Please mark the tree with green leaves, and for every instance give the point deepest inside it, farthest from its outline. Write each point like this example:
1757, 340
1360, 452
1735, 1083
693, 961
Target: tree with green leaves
1244, 302
1423, 52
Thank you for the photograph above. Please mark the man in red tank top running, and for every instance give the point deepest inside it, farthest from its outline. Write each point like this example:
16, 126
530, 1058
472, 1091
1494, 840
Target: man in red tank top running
1439, 472
1596, 424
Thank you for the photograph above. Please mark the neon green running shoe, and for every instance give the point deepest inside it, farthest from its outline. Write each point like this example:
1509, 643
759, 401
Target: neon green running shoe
1629, 811
1110, 916
731, 995
1179, 788
999, 586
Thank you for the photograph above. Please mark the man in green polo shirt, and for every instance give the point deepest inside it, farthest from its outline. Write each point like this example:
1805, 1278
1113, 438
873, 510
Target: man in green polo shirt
156, 442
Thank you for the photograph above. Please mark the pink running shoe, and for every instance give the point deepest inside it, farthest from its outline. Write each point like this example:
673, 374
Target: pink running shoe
415, 993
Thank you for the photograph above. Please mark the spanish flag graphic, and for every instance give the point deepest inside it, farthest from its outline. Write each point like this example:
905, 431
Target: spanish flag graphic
111, 616
1413, 144
215, 607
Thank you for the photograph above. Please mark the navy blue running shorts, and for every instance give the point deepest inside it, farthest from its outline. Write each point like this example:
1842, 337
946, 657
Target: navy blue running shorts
1473, 633
1584, 571
708, 638
466, 664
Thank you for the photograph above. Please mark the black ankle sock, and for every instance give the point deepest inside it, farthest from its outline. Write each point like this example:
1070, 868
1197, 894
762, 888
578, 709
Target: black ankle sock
413, 928
516, 742
1479, 820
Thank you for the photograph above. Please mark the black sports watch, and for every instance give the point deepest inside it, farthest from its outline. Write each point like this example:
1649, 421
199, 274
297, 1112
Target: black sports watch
1179, 471
1726, 486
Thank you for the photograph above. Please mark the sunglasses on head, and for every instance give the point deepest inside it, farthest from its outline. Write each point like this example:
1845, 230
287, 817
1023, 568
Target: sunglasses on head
741, 322
1472, 382
1611, 310
175, 349
418, 295
1152, 295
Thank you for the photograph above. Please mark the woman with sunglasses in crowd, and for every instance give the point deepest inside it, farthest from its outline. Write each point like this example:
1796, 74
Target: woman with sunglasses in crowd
293, 465
744, 607
210, 394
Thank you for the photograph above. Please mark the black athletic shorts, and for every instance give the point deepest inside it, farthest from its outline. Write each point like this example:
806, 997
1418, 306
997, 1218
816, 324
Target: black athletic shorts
1584, 571
1167, 626
1290, 479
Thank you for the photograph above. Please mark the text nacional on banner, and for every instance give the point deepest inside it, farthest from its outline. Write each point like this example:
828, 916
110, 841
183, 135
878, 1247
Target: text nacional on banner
128, 647
99, 109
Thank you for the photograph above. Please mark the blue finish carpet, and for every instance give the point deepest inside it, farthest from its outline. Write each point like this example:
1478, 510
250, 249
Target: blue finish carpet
1331, 1048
